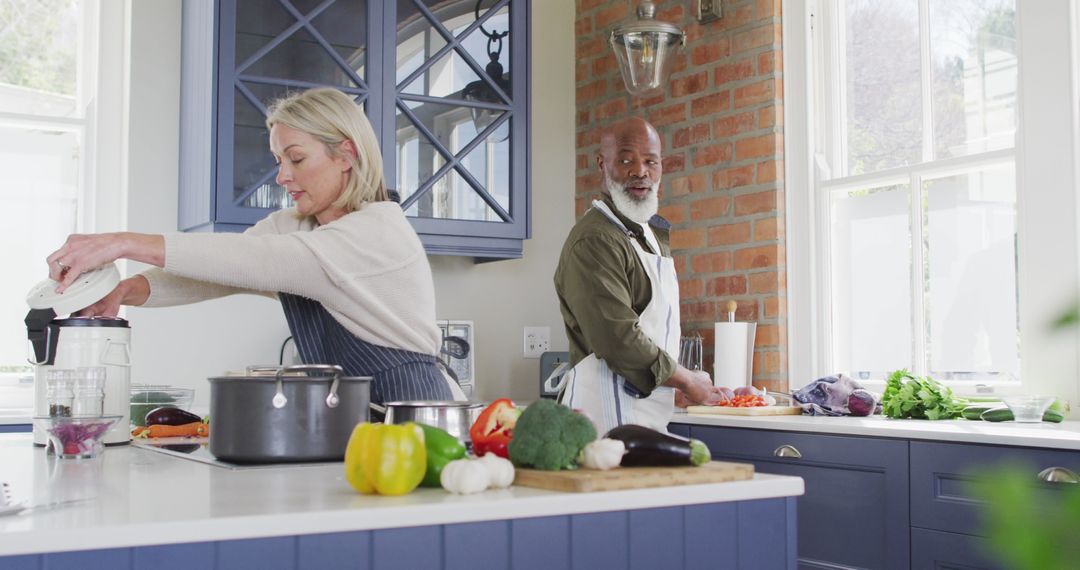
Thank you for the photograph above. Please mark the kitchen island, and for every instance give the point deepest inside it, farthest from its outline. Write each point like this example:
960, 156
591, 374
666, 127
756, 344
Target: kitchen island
132, 508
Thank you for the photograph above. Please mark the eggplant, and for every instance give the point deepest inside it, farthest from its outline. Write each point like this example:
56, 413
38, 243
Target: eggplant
170, 417
647, 447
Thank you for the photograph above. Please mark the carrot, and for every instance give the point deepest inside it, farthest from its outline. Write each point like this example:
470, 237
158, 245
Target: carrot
193, 429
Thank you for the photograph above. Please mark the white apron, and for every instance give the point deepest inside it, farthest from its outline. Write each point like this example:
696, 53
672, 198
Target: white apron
593, 387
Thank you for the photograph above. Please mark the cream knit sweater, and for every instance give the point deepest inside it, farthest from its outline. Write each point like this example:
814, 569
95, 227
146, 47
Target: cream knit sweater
367, 268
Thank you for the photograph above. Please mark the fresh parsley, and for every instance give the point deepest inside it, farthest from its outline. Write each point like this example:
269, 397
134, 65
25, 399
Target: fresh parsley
919, 397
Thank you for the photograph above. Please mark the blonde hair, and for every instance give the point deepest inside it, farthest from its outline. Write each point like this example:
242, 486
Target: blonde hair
333, 117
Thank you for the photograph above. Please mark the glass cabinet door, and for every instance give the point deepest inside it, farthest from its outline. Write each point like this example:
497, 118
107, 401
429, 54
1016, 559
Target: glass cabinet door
280, 46
454, 116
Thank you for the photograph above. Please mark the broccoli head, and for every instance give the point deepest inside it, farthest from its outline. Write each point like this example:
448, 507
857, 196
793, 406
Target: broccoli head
549, 436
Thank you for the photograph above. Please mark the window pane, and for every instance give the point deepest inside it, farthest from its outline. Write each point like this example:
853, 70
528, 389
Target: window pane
882, 85
973, 51
41, 176
38, 63
871, 280
971, 260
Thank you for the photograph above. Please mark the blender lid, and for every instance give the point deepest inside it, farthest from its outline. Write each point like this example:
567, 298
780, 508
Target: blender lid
88, 289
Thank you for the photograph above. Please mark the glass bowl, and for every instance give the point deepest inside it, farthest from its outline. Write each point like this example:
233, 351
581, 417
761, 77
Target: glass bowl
1028, 409
147, 397
75, 437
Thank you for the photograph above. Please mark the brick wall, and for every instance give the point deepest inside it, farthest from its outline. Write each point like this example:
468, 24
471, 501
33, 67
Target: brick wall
721, 121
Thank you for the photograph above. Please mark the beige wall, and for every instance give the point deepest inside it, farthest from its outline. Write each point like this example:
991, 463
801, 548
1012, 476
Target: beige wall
185, 345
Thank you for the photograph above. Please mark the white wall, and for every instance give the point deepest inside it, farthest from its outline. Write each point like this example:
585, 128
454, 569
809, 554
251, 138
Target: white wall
186, 345
178, 345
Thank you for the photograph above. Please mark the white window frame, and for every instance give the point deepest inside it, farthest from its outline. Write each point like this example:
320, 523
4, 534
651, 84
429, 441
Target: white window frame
100, 126
1047, 156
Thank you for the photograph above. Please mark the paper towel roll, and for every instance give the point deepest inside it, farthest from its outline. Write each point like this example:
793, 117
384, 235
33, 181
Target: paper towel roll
733, 360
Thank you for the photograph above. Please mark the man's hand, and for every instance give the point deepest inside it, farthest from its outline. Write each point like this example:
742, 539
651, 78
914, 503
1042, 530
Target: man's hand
694, 387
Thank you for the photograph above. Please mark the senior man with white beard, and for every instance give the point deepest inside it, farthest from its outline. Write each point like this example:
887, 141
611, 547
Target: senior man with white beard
619, 295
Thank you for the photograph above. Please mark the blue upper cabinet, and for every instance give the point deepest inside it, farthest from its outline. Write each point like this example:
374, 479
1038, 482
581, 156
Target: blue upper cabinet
444, 82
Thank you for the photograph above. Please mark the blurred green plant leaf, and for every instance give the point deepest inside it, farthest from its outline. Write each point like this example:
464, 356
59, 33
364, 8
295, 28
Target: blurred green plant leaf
1070, 318
1031, 525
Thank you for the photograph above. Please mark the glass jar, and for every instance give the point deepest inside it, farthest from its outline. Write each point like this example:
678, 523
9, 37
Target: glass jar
59, 392
89, 391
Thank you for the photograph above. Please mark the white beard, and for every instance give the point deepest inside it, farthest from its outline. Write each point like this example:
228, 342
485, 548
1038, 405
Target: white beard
639, 211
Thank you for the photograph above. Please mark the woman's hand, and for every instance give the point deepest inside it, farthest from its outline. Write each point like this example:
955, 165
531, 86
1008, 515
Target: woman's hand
84, 252
131, 291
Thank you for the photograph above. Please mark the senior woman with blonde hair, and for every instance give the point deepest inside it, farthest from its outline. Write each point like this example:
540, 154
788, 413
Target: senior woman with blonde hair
350, 271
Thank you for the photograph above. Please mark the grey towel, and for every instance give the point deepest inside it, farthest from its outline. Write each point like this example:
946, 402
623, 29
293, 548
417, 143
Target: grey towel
826, 396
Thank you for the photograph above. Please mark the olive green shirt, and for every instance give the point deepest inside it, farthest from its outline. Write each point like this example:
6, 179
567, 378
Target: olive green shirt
603, 288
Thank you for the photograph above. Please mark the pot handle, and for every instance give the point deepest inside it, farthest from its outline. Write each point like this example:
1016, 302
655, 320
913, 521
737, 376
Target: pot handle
329, 368
377, 408
332, 399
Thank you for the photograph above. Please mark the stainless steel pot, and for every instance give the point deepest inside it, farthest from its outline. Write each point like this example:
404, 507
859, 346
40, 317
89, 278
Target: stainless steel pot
454, 417
286, 416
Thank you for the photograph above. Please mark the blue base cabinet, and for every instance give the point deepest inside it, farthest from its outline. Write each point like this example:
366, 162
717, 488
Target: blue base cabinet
855, 509
750, 535
875, 502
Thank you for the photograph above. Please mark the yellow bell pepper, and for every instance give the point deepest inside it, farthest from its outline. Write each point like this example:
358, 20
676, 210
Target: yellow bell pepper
385, 459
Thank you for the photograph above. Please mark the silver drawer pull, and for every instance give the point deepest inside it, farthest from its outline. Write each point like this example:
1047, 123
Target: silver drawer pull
787, 451
1059, 475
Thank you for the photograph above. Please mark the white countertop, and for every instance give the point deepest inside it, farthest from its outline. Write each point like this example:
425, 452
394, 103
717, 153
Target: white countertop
13, 416
1065, 435
139, 497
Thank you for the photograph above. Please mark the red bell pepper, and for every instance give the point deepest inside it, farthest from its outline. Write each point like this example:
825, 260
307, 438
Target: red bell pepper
493, 430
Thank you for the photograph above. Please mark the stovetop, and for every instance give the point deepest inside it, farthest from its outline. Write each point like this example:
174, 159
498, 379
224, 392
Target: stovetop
198, 449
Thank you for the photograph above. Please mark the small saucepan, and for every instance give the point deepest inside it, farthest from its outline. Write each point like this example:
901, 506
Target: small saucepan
454, 417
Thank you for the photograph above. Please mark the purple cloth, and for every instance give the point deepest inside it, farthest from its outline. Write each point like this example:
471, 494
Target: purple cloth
826, 396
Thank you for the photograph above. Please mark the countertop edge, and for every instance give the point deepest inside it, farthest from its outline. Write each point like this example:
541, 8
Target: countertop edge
106, 523
1063, 436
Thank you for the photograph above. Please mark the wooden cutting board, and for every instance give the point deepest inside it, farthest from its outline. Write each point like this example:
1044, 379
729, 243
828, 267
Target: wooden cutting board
755, 411
587, 480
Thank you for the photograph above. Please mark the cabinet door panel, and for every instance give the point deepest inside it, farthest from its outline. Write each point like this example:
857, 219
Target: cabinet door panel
855, 509
267, 49
460, 118
936, 550
942, 495
448, 104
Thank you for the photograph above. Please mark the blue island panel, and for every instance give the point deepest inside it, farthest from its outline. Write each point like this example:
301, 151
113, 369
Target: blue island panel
750, 535
174, 556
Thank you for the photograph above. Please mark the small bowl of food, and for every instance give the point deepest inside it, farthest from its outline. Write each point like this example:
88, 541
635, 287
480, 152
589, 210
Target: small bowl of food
146, 398
1028, 409
75, 437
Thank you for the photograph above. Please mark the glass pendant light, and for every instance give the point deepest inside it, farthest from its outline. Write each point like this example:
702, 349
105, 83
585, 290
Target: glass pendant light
645, 49
480, 92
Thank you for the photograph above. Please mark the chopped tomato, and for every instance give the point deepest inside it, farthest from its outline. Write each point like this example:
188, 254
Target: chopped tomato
744, 401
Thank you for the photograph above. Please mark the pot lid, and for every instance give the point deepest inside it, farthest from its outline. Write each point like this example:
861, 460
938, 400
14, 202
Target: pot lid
89, 288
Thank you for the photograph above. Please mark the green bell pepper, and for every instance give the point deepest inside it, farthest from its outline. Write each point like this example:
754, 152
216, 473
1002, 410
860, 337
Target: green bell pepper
442, 448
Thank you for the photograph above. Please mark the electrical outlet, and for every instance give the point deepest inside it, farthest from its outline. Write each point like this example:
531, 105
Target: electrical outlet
537, 341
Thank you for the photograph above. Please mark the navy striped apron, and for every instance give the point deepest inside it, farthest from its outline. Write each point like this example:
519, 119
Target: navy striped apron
396, 374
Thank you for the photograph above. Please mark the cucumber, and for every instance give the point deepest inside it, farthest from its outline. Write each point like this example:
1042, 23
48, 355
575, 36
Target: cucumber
997, 414
973, 411
1004, 414
1052, 415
